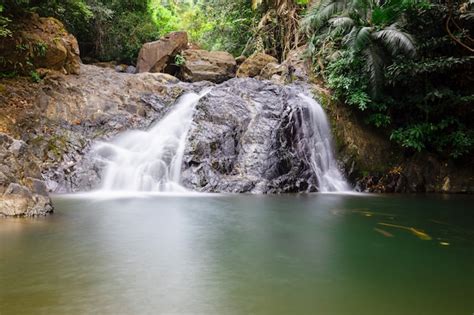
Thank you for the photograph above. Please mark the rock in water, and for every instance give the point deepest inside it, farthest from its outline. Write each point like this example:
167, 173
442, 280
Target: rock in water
202, 65
155, 56
22, 190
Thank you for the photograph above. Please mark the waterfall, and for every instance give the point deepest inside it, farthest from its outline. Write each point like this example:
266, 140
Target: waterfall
150, 160
317, 135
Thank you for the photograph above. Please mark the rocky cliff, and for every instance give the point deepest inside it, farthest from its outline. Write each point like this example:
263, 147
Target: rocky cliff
47, 127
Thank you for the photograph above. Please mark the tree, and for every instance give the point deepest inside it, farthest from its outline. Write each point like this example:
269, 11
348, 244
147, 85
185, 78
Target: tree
278, 30
367, 27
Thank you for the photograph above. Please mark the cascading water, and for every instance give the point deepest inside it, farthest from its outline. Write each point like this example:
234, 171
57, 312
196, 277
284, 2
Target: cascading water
150, 160
317, 134
234, 159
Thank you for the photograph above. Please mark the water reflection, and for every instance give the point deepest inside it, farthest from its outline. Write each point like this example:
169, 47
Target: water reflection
300, 254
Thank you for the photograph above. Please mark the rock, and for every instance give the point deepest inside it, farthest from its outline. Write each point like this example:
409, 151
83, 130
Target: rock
37, 186
125, 69
121, 68
155, 56
254, 64
20, 195
18, 200
243, 139
240, 59
44, 42
202, 65
131, 70
298, 66
17, 147
16, 189
12, 205
272, 69
294, 68
110, 64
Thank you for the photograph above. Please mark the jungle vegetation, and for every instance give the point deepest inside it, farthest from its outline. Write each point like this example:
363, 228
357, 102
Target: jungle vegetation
405, 66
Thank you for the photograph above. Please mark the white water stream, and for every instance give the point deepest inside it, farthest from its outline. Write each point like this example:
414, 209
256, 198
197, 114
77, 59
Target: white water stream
318, 134
150, 160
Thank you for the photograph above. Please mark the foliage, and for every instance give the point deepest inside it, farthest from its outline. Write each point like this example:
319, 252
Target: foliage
277, 32
233, 25
422, 101
179, 60
4, 31
116, 29
35, 77
368, 29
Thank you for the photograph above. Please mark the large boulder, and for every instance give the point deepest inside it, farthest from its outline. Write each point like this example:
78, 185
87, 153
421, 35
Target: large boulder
254, 65
202, 65
245, 138
155, 56
22, 190
39, 42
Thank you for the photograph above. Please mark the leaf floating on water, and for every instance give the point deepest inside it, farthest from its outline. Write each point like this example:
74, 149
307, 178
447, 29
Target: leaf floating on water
395, 225
418, 233
383, 232
372, 213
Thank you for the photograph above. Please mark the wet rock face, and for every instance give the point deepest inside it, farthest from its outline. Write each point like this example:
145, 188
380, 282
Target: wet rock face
22, 190
243, 139
57, 120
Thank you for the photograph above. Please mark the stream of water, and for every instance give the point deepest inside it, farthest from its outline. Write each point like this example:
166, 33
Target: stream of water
150, 160
317, 133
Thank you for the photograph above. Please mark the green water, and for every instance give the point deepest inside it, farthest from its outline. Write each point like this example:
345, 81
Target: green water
315, 254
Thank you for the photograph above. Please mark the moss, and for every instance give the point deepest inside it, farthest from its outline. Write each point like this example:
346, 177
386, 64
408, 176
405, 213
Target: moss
57, 145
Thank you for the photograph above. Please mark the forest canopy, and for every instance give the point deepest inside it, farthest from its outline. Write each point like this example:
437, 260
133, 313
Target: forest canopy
116, 29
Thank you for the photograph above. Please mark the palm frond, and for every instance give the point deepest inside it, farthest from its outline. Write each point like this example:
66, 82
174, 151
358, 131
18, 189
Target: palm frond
320, 12
343, 22
469, 16
361, 7
374, 65
396, 41
359, 37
